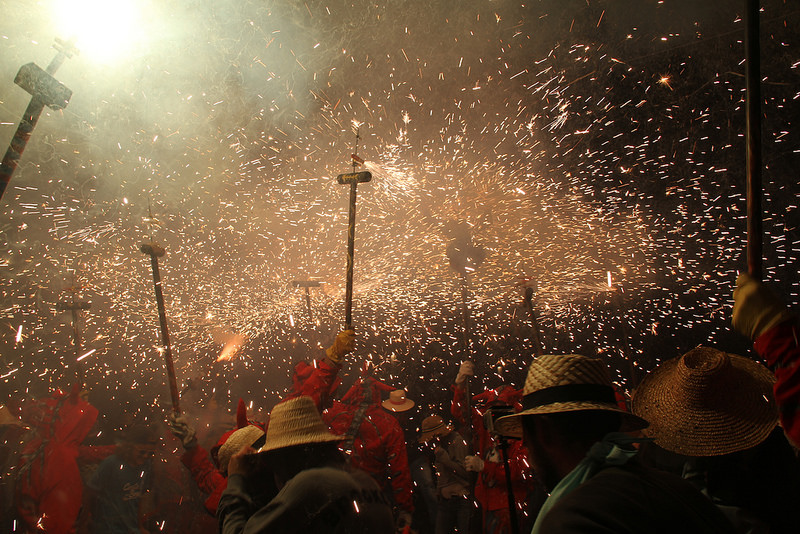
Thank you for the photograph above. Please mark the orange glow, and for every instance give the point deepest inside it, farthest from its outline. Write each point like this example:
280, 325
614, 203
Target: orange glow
232, 346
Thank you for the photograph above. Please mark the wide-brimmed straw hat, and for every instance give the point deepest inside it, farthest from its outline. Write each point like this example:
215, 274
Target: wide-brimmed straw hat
707, 403
397, 401
433, 426
296, 422
249, 436
566, 383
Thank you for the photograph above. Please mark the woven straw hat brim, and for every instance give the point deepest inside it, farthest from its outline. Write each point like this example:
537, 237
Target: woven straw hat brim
730, 413
511, 425
567, 383
296, 422
242, 437
402, 407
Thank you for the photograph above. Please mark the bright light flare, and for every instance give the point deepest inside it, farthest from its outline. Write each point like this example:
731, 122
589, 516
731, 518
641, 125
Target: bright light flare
102, 30
231, 347
87, 354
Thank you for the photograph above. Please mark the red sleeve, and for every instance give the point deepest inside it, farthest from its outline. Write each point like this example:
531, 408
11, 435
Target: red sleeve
320, 384
459, 405
205, 474
779, 347
397, 458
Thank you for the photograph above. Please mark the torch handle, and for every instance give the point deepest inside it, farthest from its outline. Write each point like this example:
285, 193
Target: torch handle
512, 507
753, 136
351, 245
162, 317
76, 339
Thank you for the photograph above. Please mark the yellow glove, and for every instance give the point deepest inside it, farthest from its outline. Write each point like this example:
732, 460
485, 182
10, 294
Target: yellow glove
756, 309
343, 344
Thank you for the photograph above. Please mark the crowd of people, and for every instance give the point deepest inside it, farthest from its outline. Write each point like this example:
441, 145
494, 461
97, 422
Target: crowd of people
707, 443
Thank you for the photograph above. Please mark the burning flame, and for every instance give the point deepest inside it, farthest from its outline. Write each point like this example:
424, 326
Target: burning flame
232, 346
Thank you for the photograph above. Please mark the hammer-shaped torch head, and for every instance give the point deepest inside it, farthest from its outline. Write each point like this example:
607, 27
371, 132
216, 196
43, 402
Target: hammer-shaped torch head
355, 177
305, 283
152, 249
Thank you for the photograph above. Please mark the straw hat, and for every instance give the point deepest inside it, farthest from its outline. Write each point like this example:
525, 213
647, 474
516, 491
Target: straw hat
397, 401
433, 426
296, 422
247, 436
707, 403
567, 383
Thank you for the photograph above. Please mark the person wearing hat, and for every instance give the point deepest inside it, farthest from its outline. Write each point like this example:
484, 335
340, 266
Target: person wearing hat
573, 429
452, 479
318, 493
374, 441
715, 412
491, 486
209, 470
762, 316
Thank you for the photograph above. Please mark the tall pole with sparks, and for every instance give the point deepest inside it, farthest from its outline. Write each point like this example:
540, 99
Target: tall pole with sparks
156, 251
753, 136
537, 338
45, 90
354, 178
75, 306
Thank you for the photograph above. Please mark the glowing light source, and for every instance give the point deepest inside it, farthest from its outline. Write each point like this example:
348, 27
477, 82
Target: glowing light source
231, 347
87, 354
102, 30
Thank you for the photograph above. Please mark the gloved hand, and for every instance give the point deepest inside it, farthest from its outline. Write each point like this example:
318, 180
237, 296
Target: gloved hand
181, 429
756, 309
473, 463
466, 370
343, 344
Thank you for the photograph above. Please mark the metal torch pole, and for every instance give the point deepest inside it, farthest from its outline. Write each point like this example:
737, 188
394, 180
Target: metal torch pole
753, 134
154, 251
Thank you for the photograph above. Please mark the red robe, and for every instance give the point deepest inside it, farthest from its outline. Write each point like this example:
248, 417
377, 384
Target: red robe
780, 348
206, 475
379, 447
50, 489
491, 489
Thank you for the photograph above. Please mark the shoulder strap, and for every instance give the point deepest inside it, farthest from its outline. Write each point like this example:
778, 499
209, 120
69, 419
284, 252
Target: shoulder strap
352, 432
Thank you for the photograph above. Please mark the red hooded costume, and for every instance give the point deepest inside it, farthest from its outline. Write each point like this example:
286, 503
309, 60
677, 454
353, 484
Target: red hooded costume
491, 488
378, 446
50, 489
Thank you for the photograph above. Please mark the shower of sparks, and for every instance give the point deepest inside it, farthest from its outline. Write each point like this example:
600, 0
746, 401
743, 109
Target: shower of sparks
562, 151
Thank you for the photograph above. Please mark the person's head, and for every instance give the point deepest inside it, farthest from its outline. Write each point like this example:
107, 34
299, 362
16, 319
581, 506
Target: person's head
247, 436
137, 445
707, 403
298, 439
559, 441
399, 405
568, 404
433, 429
